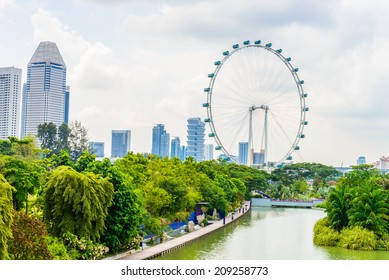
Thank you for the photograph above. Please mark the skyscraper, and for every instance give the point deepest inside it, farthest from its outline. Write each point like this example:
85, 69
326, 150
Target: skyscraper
45, 95
121, 143
160, 141
10, 97
97, 148
361, 160
183, 153
196, 133
175, 149
243, 152
208, 151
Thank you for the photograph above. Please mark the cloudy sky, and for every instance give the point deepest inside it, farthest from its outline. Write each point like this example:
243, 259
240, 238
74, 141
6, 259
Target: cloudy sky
135, 63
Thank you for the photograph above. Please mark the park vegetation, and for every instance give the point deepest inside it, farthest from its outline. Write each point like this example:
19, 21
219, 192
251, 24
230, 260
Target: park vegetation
59, 202
357, 212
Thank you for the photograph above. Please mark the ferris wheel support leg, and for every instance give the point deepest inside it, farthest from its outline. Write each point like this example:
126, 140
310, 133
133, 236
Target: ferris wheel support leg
251, 157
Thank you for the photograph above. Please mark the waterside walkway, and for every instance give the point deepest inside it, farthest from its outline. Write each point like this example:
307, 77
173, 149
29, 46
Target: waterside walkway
178, 242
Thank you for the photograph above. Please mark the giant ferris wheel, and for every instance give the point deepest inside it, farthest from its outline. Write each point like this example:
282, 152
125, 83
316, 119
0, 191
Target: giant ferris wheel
256, 105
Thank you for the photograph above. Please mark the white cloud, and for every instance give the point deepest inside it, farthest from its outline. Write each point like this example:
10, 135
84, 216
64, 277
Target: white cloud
153, 66
4, 4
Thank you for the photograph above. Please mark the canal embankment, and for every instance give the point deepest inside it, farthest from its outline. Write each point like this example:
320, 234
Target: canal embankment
181, 241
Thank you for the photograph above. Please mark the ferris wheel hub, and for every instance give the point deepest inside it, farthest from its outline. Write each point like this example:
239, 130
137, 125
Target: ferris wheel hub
253, 108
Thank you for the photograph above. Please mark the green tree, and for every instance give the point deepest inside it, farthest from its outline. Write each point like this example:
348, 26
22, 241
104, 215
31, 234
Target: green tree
24, 176
78, 140
5, 216
338, 205
136, 167
63, 137
6, 148
77, 203
47, 135
370, 208
29, 239
212, 193
126, 212
156, 200
26, 148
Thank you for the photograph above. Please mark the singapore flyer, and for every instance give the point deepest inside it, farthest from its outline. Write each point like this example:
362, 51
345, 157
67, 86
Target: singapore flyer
255, 105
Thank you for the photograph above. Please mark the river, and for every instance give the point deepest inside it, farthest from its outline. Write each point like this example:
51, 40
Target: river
268, 234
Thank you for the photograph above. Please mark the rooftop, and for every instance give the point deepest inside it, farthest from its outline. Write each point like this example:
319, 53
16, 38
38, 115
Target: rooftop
47, 52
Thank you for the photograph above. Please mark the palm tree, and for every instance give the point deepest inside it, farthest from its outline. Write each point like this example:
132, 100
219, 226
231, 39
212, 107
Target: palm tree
338, 204
369, 208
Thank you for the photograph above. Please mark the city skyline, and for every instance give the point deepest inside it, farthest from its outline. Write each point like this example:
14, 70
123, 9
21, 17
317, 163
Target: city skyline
131, 78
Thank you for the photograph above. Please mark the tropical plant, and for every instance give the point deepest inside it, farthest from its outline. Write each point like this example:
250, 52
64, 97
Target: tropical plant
324, 234
370, 208
357, 238
29, 239
24, 176
77, 203
338, 205
5, 216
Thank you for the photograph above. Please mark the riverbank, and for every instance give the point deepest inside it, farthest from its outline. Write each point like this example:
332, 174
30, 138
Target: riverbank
179, 242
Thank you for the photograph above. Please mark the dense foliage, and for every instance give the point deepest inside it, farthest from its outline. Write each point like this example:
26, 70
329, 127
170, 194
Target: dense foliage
5, 216
91, 208
77, 203
357, 212
29, 239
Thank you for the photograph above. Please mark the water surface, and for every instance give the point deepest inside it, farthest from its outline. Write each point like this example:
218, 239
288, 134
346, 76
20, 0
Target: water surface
268, 234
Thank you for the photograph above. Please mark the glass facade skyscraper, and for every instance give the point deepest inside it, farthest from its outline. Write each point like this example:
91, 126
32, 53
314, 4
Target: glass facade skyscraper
175, 149
243, 152
97, 148
208, 151
160, 141
196, 133
10, 97
121, 143
361, 160
45, 95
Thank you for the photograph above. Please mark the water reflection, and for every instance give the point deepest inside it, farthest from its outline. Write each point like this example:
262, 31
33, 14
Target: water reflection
268, 234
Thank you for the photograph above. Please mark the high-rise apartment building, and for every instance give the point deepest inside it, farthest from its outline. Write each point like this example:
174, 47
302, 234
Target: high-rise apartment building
196, 134
243, 152
10, 97
121, 143
97, 148
45, 95
175, 148
160, 141
208, 151
361, 160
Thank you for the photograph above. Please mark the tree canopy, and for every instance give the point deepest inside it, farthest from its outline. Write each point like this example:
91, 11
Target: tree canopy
77, 203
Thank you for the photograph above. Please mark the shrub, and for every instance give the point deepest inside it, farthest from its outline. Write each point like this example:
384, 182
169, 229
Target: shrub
383, 243
84, 249
57, 248
29, 239
324, 235
357, 238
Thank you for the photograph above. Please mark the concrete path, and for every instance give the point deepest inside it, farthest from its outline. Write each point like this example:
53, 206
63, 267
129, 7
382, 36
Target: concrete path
178, 242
